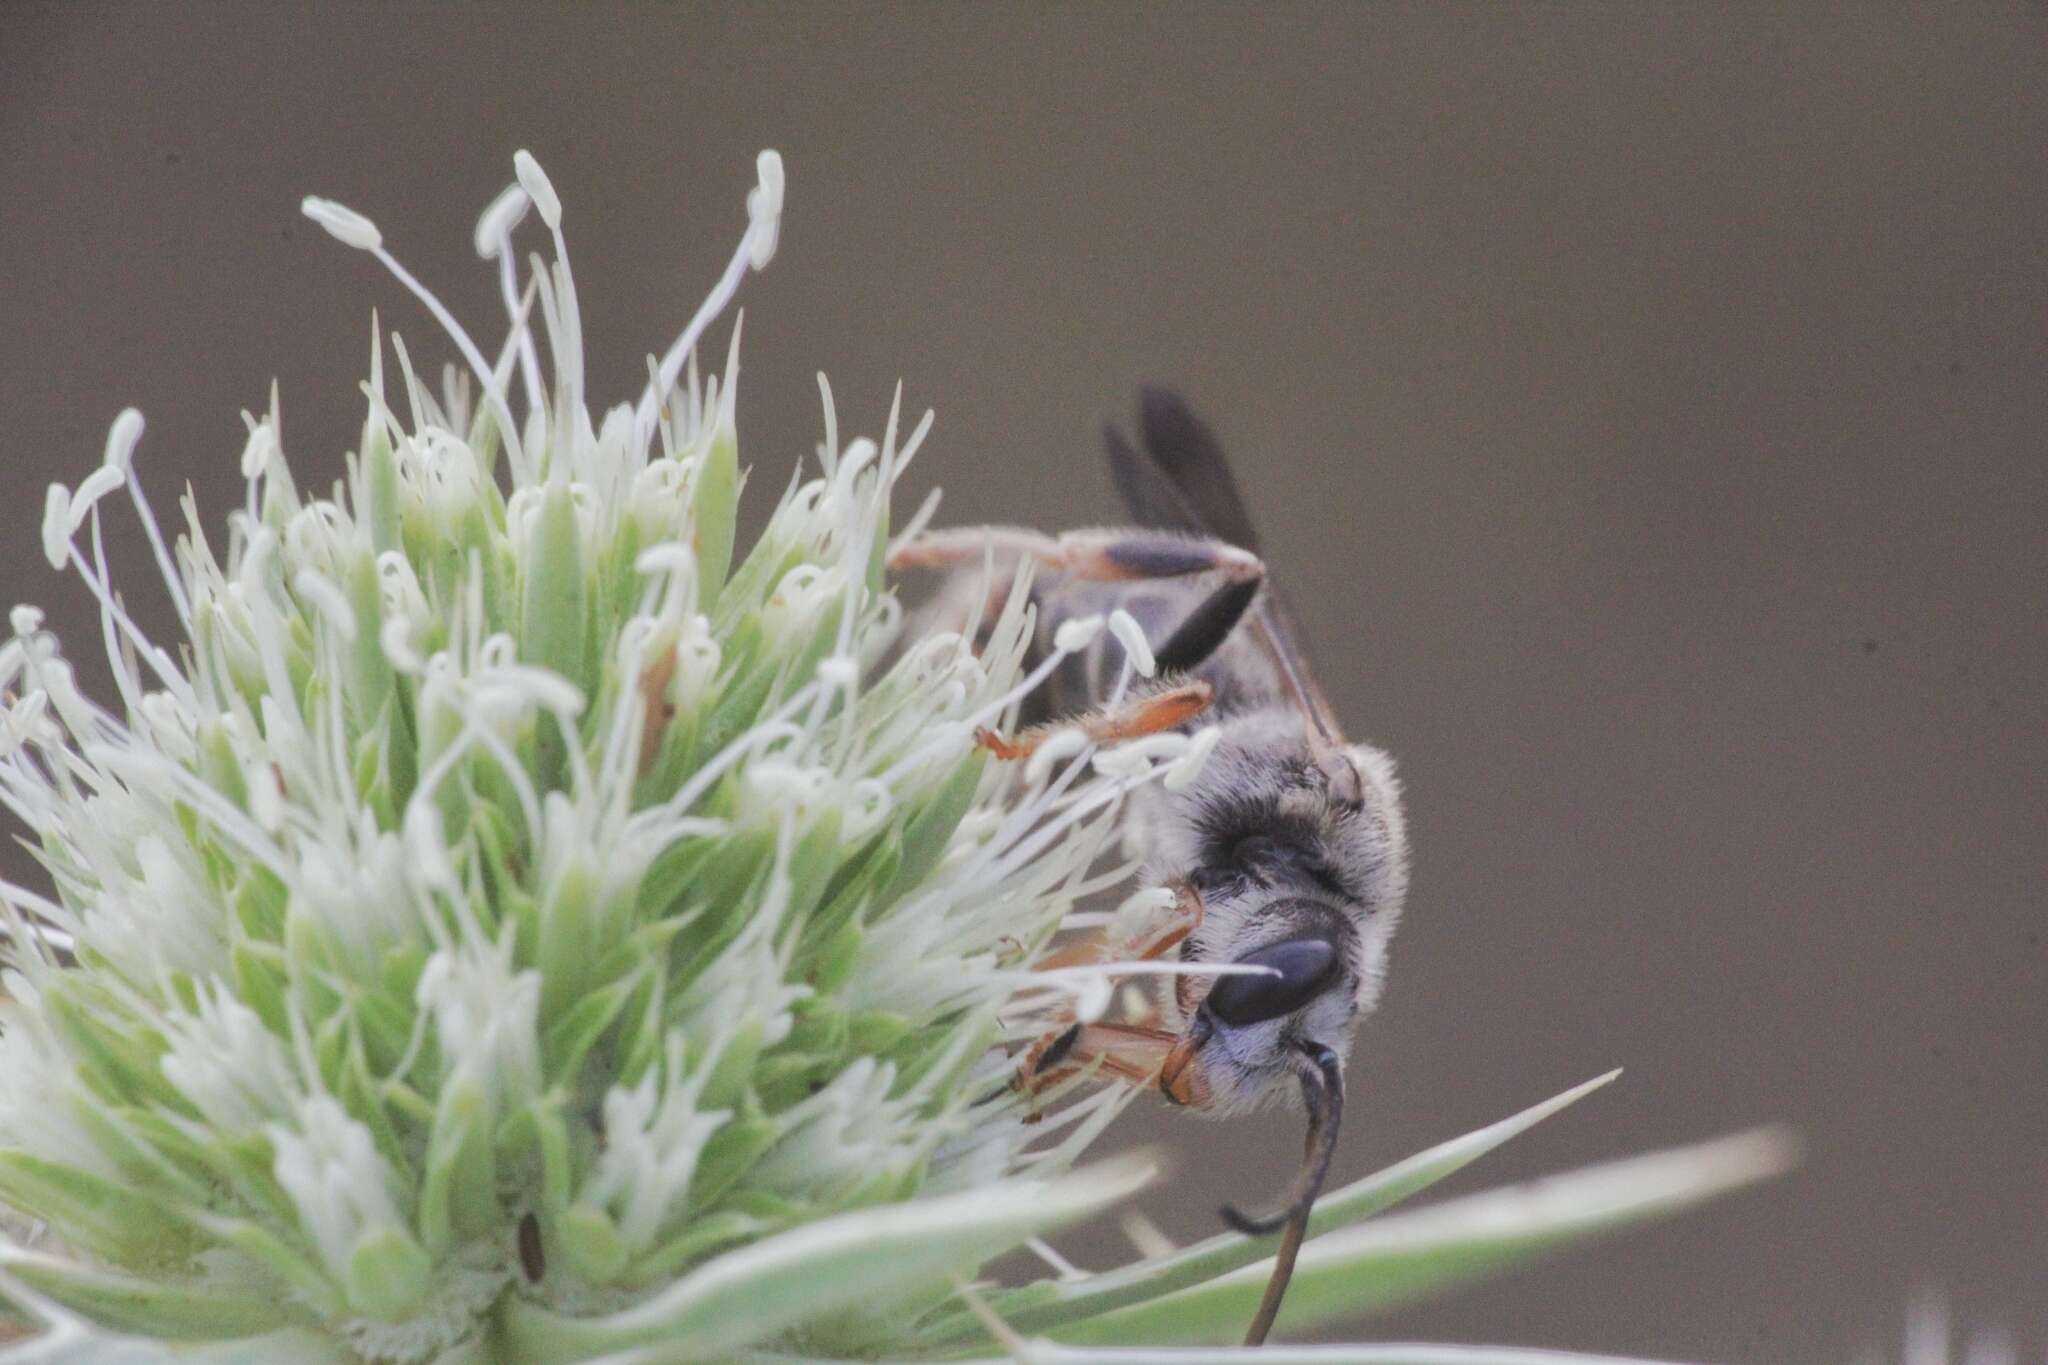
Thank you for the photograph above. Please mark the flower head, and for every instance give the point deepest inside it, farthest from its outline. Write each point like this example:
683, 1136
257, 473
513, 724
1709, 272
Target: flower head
504, 853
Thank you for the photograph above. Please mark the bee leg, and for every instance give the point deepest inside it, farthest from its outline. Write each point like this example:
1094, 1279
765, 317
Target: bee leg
1165, 709
1114, 556
1042, 1066
1183, 918
1046, 1055
957, 546
1083, 951
1123, 556
1129, 1052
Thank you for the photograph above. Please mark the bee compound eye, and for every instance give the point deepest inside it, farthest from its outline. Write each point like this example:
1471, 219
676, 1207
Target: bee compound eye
1300, 968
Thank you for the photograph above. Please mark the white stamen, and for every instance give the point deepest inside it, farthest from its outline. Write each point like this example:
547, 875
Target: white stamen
1076, 633
494, 226
1134, 757
257, 450
95, 486
121, 442
57, 526
538, 187
715, 302
23, 718
1188, 766
1093, 998
1061, 1266
266, 798
348, 227
914, 442
919, 519
1145, 1236
764, 209
1131, 636
1060, 745
1123, 763
828, 451
394, 637
122, 438
328, 600
344, 224
672, 557
838, 673
428, 847
518, 307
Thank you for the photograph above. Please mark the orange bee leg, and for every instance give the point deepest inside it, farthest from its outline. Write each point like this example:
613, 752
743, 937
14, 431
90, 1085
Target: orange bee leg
1084, 950
1114, 556
1087, 949
1129, 1052
1165, 709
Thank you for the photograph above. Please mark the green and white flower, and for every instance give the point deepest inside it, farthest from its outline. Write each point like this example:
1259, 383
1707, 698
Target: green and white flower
511, 922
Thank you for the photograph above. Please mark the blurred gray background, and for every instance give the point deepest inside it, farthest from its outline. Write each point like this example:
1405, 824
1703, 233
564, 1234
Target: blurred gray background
1645, 405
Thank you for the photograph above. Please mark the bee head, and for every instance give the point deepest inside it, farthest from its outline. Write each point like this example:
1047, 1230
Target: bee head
1296, 990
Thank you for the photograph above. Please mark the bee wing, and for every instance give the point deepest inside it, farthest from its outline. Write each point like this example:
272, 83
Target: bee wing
1273, 626
1181, 481
1184, 456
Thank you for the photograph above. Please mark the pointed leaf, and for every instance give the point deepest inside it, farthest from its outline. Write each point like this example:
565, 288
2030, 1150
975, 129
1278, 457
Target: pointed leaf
552, 620
1393, 1260
822, 1268
125, 1303
1036, 1307
925, 838
90, 1212
1399, 1353
72, 1343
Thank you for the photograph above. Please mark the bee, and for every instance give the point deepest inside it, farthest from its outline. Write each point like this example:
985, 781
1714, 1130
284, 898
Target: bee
1287, 852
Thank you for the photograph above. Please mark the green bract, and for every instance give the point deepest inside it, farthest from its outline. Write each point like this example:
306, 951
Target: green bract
513, 922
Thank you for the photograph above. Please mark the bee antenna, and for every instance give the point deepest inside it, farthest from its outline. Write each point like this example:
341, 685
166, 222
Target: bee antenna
1322, 1091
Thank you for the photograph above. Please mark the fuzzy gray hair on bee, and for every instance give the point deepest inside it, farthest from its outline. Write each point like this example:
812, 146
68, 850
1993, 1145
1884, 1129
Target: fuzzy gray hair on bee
1287, 852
